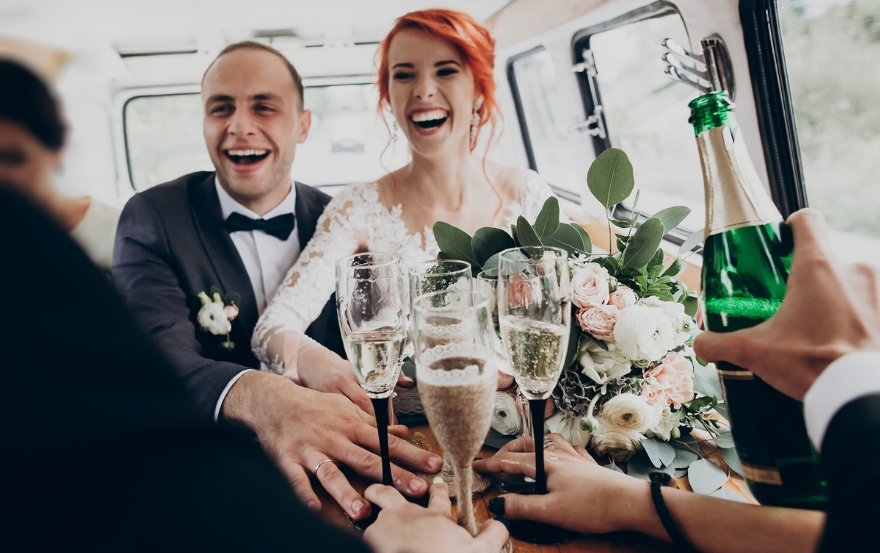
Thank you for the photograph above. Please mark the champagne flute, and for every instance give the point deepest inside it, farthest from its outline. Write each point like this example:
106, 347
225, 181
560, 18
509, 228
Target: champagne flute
534, 315
452, 335
371, 303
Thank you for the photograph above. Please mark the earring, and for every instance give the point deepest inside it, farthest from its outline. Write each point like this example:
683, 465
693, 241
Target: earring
394, 130
475, 121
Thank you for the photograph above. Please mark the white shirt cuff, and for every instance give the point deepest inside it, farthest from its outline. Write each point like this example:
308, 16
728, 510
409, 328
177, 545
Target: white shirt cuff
225, 391
848, 378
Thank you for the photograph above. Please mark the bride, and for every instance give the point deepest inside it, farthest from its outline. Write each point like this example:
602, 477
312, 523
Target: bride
435, 77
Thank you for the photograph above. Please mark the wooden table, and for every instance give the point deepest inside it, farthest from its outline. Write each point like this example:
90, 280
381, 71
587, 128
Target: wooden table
620, 542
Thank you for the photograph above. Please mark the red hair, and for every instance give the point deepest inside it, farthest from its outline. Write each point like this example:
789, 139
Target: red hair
474, 43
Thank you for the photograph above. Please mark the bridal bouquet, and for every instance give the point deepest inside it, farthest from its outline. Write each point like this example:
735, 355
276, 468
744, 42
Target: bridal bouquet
631, 382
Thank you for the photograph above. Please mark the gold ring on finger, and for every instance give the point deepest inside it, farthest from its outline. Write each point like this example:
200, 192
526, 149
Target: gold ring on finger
548, 442
321, 462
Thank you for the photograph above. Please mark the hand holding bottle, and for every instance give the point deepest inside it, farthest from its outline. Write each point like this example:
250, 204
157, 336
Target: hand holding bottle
830, 309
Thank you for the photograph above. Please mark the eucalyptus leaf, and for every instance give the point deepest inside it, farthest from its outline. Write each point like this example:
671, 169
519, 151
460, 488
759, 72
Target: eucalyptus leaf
684, 458
640, 466
442, 256
724, 493
706, 381
571, 352
643, 244
548, 219
492, 262
566, 238
454, 242
525, 234
732, 459
660, 453
724, 439
610, 177
705, 478
588, 244
671, 217
488, 241
636, 204
213, 290
620, 224
722, 410
691, 241
680, 473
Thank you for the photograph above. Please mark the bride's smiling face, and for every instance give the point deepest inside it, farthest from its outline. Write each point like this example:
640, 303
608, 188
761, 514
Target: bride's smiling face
431, 91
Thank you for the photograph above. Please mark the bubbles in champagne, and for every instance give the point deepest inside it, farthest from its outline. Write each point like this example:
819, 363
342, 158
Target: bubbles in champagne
536, 351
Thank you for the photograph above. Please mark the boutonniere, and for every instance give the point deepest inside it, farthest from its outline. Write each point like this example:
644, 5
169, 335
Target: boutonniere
217, 314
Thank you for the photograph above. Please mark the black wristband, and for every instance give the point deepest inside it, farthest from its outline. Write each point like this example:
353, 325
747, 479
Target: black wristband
659, 479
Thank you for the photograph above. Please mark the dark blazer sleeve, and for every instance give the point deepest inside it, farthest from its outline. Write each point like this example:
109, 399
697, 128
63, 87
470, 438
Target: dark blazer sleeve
102, 449
851, 457
143, 272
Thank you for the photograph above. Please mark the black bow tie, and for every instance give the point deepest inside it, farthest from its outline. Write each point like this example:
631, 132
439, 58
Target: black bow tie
280, 227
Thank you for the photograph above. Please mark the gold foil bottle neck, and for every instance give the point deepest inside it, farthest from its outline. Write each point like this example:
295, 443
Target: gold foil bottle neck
735, 195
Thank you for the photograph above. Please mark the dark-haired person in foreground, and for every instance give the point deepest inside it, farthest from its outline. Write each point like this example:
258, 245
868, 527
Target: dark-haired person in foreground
32, 134
240, 229
822, 347
103, 449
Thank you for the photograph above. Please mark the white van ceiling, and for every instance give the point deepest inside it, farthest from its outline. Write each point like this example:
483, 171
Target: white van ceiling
162, 24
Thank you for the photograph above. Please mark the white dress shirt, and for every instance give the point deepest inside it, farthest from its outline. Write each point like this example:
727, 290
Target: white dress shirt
266, 258
848, 378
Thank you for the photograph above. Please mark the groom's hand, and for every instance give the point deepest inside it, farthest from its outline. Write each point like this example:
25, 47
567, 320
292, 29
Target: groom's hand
299, 428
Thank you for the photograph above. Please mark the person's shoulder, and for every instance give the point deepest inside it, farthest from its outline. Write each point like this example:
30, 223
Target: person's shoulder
514, 183
311, 194
175, 191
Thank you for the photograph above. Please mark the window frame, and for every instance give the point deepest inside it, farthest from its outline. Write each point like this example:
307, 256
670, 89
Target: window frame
591, 95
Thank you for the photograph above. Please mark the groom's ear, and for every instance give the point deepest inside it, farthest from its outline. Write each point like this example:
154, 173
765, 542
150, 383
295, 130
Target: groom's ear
305, 122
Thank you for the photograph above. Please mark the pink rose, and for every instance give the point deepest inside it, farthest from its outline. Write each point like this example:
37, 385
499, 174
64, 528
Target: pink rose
231, 311
589, 286
598, 321
522, 292
670, 382
623, 297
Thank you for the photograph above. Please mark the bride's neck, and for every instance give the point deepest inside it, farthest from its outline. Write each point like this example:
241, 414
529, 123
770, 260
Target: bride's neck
444, 183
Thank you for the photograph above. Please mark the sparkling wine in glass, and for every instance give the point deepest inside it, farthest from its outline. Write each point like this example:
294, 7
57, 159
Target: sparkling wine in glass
452, 334
371, 304
534, 315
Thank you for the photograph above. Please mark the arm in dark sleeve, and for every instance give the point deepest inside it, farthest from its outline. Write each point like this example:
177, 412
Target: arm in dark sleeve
850, 454
144, 271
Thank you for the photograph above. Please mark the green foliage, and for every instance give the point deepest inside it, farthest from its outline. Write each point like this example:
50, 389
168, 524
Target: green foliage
705, 478
525, 234
610, 178
692, 241
488, 241
671, 217
641, 247
455, 243
548, 219
567, 238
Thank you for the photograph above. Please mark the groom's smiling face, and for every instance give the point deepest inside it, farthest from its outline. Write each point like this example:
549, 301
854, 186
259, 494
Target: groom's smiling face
253, 122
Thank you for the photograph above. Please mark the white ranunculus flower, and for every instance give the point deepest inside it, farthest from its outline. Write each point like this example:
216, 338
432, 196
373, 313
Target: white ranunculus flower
505, 417
603, 365
630, 412
620, 444
644, 333
570, 429
682, 324
213, 318
669, 421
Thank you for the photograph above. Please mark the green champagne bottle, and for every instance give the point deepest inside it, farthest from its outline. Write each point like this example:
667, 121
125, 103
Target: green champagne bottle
745, 266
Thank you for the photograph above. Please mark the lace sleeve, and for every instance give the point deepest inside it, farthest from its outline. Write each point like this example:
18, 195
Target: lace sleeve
311, 281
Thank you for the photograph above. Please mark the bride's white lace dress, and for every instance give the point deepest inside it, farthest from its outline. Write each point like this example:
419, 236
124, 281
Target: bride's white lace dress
354, 218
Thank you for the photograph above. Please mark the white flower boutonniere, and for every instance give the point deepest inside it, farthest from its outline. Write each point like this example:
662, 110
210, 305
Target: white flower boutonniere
216, 316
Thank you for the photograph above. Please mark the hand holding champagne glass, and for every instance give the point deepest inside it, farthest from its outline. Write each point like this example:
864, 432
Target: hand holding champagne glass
452, 335
371, 304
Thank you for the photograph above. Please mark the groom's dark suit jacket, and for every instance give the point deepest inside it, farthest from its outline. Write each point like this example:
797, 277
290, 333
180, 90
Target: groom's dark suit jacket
171, 245
851, 456
102, 449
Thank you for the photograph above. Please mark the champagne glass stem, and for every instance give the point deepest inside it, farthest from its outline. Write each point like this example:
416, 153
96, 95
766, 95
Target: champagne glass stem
380, 407
464, 475
536, 406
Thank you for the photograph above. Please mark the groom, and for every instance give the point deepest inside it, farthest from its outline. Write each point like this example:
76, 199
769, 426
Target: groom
240, 229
